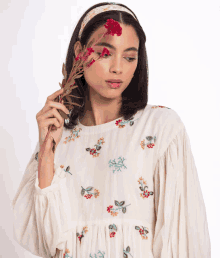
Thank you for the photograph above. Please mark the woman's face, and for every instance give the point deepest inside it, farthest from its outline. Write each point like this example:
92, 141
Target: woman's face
120, 64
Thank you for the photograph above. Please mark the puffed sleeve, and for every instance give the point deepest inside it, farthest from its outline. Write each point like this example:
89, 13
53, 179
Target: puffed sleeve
41, 216
181, 228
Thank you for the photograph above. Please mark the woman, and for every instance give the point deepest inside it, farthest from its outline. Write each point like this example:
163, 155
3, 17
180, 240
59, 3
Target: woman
125, 182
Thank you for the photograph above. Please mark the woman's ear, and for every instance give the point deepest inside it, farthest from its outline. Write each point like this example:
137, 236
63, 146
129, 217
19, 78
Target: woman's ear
77, 48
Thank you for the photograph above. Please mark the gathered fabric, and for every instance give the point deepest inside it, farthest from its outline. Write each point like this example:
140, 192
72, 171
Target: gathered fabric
126, 188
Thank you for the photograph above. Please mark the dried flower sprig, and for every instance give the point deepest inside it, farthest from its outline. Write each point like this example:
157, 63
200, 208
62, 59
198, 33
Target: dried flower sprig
113, 27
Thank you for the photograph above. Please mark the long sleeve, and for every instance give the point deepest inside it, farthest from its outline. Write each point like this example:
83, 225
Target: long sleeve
181, 228
41, 216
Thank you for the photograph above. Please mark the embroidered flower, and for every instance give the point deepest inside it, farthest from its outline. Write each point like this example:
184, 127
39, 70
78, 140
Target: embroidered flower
145, 193
142, 231
88, 196
149, 145
120, 208
114, 213
118, 121
93, 151
113, 230
73, 135
88, 190
96, 193
109, 208
80, 236
66, 254
160, 107
139, 180
85, 229
112, 234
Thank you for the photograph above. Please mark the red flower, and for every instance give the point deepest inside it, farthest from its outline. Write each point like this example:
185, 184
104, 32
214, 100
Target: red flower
141, 231
109, 208
88, 196
90, 50
146, 194
118, 121
150, 145
88, 53
78, 57
105, 51
80, 236
91, 63
112, 234
113, 27
92, 151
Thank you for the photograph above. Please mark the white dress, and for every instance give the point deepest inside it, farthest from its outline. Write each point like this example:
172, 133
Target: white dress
120, 189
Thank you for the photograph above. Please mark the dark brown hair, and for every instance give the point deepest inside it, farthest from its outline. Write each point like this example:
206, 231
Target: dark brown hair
135, 96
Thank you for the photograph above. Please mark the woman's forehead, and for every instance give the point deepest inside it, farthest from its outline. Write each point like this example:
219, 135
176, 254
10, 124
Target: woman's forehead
128, 38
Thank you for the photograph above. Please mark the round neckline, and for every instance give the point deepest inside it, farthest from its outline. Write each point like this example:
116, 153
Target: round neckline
95, 129
99, 128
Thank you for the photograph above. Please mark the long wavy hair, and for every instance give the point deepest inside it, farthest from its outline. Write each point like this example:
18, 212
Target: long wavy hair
135, 96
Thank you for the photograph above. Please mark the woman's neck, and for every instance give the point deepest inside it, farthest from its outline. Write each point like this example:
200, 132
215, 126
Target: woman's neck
99, 112
89, 120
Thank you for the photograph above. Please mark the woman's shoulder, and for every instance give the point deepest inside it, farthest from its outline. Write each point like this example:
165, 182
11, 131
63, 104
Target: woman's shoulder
166, 124
164, 115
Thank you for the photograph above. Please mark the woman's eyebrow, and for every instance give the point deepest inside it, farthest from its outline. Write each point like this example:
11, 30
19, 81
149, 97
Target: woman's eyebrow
110, 46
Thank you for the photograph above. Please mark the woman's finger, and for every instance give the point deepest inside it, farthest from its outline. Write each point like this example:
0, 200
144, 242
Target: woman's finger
49, 98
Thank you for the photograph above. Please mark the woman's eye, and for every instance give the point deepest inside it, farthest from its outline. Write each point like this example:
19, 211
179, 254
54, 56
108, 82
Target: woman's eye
130, 58
100, 54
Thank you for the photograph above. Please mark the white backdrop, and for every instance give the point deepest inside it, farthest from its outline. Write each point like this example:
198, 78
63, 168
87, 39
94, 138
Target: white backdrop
182, 44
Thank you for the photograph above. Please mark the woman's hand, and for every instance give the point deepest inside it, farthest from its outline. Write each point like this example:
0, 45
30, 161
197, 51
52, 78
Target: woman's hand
49, 115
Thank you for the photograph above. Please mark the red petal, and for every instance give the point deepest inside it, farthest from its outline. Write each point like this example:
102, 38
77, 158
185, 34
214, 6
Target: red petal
113, 27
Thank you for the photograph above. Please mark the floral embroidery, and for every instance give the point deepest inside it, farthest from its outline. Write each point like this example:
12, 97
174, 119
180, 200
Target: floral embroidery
89, 195
145, 193
110, 210
112, 228
66, 254
62, 166
125, 252
160, 107
73, 136
149, 145
67, 168
121, 124
101, 255
117, 165
142, 231
82, 235
98, 147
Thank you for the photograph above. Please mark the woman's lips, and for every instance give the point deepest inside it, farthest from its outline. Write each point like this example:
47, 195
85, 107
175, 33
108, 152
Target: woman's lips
114, 85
